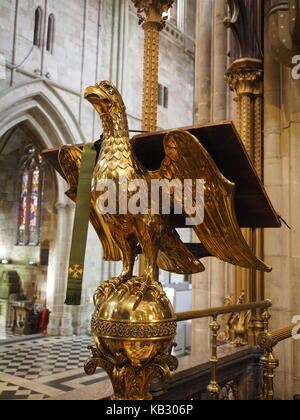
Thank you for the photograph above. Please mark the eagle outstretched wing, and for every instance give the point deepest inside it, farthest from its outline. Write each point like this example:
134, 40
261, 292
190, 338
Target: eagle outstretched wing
70, 160
186, 159
179, 260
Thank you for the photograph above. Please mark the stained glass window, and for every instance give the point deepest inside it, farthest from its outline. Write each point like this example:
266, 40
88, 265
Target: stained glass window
177, 14
31, 199
23, 209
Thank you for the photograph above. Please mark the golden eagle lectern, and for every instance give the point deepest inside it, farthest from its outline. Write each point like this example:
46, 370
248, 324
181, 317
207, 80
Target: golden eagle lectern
134, 323
185, 159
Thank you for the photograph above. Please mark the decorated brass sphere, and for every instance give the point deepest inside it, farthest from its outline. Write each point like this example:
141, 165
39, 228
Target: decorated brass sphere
138, 334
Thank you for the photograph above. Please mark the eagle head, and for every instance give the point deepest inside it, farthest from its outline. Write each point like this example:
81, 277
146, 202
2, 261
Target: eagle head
105, 98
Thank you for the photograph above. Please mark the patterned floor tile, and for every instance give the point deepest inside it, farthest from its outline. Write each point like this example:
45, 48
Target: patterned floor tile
37, 369
12, 392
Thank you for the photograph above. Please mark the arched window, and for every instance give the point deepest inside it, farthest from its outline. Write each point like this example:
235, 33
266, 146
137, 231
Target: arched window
177, 14
173, 14
50, 33
37, 36
31, 199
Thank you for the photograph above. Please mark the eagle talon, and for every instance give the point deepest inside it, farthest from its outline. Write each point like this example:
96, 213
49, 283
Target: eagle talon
111, 288
106, 290
99, 295
124, 289
139, 298
128, 287
159, 291
141, 293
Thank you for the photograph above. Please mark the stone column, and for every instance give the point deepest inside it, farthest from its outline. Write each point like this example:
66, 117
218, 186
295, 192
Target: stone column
120, 11
220, 51
3, 318
203, 61
58, 266
67, 315
282, 183
219, 111
245, 78
203, 112
97, 271
66, 328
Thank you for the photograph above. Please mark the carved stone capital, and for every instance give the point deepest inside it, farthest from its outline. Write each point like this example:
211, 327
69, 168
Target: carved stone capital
61, 205
153, 11
245, 77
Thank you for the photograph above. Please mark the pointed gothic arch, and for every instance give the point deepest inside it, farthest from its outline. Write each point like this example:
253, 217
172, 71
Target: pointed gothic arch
39, 105
38, 109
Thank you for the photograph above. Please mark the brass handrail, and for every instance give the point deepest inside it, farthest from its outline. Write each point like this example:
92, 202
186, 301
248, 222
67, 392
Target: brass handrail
213, 387
205, 313
267, 340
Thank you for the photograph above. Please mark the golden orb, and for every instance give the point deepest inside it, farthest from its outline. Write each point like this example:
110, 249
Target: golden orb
137, 335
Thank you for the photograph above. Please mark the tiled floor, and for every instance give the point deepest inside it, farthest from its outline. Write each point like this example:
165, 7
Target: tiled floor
36, 369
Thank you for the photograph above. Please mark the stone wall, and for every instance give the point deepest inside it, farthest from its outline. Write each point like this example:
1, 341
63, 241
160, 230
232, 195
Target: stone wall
282, 157
281, 143
213, 103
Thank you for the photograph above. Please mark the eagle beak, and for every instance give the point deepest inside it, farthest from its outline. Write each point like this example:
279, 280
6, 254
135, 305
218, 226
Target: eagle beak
93, 94
98, 98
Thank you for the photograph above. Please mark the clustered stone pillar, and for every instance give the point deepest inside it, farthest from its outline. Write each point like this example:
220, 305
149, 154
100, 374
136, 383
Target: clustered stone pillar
203, 62
282, 181
245, 78
203, 77
212, 286
61, 316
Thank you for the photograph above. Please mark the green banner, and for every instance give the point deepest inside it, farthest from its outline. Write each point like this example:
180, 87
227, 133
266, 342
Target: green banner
81, 223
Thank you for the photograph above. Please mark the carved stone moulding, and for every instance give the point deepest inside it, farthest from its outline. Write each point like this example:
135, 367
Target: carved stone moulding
153, 10
245, 76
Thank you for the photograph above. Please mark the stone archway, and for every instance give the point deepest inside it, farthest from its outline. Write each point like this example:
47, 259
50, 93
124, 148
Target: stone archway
40, 105
37, 106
